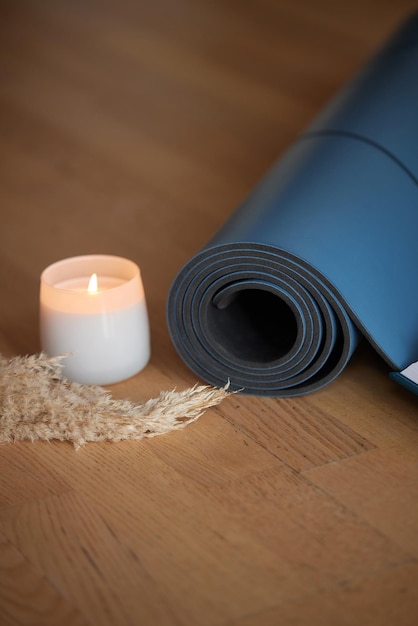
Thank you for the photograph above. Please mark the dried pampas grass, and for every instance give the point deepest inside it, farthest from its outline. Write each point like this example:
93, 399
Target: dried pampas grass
36, 403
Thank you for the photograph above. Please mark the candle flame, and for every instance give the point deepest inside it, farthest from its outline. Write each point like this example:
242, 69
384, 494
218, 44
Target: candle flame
92, 288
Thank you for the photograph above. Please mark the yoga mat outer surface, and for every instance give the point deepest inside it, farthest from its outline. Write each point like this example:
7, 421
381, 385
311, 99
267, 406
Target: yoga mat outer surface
323, 251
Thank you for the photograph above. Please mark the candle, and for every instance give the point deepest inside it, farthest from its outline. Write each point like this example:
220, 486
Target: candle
93, 311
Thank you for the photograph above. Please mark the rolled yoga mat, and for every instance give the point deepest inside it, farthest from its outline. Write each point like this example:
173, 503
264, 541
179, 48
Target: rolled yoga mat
322, 252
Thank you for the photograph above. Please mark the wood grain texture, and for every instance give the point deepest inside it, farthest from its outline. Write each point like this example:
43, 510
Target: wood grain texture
135, 128
27, 597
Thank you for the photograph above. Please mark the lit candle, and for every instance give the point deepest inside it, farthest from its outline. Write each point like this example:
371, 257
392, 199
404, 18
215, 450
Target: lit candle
93, 311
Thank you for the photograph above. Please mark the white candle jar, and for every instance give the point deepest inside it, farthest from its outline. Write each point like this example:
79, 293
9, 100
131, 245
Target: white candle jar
104, 333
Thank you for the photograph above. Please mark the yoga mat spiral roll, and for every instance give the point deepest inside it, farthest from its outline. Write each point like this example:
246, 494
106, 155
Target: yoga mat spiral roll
322, 252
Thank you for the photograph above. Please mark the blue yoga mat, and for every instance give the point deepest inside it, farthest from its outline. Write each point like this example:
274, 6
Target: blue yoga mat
322, 252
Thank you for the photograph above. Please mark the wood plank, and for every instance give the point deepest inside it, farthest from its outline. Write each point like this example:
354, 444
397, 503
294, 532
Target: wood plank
301, 434
109, 583
381, 487
27, 597
204, 564
303, 524
20, 480
384, 599
247, 525
360, 403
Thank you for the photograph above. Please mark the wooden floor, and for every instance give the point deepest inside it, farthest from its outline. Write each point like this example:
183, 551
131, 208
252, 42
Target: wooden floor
135, 127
